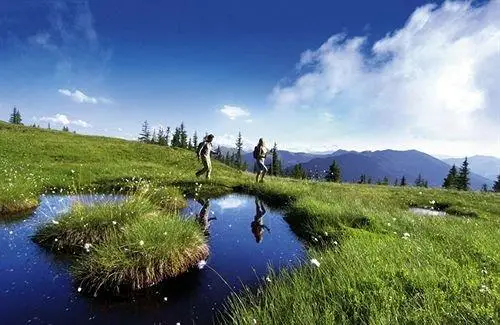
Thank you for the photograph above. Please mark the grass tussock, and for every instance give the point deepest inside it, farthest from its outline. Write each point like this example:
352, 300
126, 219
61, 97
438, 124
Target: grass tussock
91, 225
150, 250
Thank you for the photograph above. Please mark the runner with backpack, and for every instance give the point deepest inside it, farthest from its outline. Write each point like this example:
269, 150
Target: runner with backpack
259, 154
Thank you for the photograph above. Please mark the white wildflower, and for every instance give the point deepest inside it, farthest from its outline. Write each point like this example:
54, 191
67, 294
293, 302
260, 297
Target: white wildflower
432, 202
268, 279
201, 264
141, 242
406, 235
87, 246
79, 289
484, 271
389, 224
72, 171
484, 289
114, 222
165, 299
315, 262
55, 222
11, 232
420, 193
254, 321
335, 243
315, 239
393, 219
56, 240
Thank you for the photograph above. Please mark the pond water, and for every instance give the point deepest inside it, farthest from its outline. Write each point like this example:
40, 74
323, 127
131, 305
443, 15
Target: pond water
427, 212
245, 239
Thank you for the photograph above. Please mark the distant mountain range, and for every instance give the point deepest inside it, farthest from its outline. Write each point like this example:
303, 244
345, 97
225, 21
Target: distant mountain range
486, 166
377, 165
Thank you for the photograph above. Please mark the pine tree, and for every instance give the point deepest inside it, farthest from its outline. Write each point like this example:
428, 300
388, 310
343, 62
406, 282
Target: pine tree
15, 117
463, 179
183, 138
362, 179
176, 138
48, 126
496, 185
65, 129
419, 181
276, 162
190, 144
385, 181
195, 140
484, 188
145, 134
369, 181
161, 137
239, 152
333, 174
403, 181
396, 182
451, 179
298, 172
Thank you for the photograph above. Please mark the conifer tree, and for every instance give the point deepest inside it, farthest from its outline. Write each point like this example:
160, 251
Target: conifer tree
419, 181
496, 185
65, 129
190, 144
48, 125
183, 138
369, 181
276, 162
463, 178
403, 181
145, 135
15, 117
362, 179
176, 138
451, 179
396, 182
334, 174
385, 181
161, 137
484, 188
195, 140
239, 152
298, 172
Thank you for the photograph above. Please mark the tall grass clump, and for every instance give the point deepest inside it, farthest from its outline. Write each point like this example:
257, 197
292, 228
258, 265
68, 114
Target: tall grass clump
87, 226
152, 249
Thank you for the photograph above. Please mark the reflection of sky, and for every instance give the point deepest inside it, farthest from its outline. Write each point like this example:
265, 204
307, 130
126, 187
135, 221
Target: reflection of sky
231, 202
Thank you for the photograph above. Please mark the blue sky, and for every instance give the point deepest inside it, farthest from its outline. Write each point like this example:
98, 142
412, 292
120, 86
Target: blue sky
310, 75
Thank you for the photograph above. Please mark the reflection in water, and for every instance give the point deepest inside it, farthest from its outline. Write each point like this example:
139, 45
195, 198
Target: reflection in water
257, 224
36, 286
202, 217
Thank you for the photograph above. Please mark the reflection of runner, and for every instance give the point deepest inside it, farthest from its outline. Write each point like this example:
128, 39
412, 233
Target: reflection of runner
203, 218
257, 224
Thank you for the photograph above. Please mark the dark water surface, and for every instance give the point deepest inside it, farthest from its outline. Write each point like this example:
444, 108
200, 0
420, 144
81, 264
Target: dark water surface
245, 237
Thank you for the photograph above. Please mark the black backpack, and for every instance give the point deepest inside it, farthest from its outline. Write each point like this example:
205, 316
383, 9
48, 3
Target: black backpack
256, 152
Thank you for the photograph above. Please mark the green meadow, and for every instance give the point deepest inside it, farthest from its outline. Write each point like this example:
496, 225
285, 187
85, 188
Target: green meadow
371, 261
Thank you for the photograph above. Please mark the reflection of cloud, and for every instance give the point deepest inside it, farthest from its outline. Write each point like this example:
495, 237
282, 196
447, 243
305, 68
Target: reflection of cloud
230, 202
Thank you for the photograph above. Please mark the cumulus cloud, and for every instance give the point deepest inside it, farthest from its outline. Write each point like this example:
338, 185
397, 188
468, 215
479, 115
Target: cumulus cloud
435, 79
64, 120
80, 97
234, 112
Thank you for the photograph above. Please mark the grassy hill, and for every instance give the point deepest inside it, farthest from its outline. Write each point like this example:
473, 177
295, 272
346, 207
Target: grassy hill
378, 263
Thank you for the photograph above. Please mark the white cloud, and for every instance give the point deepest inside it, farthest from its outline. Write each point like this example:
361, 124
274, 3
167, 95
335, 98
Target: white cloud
64, 120
234, 112
80, 97
433, 81
229, 140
